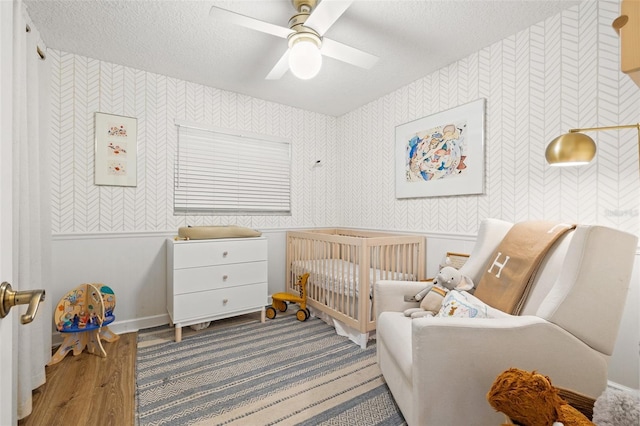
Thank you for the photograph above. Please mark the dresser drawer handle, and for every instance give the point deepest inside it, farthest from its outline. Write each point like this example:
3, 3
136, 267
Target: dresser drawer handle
225, 254
224, 277
225, 301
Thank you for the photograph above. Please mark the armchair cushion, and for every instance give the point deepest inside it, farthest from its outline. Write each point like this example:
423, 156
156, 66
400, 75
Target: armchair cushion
490, 235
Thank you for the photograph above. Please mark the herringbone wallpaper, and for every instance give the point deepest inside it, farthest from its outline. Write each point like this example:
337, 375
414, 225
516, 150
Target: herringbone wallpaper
81, 86
556, 75
560, 74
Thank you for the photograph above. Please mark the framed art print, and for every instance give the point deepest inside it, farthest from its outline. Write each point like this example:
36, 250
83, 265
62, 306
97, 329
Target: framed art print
441, 154
115, 150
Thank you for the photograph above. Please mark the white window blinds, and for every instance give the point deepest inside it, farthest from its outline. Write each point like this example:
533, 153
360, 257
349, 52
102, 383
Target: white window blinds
223, 173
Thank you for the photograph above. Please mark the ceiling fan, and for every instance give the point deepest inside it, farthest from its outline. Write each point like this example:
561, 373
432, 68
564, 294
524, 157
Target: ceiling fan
305, 36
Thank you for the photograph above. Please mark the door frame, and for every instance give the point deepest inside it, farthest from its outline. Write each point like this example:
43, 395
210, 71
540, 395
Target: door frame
8, 332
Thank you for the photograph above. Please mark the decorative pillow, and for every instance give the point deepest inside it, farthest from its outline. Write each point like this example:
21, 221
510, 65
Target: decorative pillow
207, 232
461, 304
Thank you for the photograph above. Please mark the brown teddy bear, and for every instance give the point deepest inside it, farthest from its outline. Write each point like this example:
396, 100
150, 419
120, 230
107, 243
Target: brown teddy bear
529, 399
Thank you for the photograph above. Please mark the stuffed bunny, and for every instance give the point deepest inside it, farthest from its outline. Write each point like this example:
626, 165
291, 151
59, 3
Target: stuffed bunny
431, 297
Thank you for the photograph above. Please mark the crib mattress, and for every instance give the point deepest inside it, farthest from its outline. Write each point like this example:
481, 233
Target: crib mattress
340, 275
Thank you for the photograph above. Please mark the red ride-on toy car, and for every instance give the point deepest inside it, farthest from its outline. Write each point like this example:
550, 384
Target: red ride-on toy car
280, 301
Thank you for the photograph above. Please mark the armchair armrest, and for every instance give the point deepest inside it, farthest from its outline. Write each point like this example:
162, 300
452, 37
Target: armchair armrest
477, 350
389, 295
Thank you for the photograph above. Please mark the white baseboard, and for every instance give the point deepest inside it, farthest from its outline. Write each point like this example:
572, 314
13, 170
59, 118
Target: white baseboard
618, 386
139, 323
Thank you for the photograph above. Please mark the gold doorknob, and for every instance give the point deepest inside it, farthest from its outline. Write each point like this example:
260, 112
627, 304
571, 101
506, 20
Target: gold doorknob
10, 298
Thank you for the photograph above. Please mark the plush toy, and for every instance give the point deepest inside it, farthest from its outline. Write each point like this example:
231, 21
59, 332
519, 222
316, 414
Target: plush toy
431, 297
530, 399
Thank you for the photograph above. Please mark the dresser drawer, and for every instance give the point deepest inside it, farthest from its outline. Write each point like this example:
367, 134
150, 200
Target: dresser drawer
219, 276
190, 254
219, 303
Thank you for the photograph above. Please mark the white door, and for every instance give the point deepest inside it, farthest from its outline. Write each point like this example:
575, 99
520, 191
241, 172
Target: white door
8, 360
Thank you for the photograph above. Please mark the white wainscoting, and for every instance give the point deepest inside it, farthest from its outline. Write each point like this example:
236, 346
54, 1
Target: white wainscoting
134, 265
624, 368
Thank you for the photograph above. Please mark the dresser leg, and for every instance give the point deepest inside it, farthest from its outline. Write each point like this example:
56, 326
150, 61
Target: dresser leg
178, 334
263, 315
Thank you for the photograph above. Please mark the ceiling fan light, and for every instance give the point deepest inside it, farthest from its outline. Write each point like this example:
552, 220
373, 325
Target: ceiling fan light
305, 59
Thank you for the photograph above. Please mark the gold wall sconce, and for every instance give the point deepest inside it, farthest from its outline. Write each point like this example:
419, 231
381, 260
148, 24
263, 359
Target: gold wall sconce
576, 149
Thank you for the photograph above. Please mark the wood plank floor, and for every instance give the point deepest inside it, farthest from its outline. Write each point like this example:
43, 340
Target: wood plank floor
89, 390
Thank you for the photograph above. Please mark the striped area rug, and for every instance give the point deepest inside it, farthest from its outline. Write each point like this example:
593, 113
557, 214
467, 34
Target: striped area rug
282, 372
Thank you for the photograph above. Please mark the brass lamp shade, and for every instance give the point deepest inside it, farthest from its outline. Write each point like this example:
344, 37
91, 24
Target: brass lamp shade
570, 149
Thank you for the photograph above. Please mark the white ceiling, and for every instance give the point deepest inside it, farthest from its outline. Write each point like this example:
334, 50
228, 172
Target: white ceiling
179, 39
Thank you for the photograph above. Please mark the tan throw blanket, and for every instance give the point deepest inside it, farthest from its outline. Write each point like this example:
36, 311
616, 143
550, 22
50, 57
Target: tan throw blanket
513, 265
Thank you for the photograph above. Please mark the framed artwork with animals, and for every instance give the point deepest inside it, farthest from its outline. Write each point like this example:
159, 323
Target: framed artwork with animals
441, 154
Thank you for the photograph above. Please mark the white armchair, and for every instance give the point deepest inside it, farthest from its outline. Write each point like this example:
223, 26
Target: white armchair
439, 370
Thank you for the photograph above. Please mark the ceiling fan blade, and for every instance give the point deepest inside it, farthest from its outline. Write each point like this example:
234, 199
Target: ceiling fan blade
248, 22
280, 68
325, 14
347, 54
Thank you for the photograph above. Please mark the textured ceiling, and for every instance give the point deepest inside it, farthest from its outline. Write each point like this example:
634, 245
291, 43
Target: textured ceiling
179, 39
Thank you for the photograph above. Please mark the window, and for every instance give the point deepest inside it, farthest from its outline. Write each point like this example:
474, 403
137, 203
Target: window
221, 172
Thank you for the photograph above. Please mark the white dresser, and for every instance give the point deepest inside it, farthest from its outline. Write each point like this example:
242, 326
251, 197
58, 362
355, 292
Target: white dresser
214, 279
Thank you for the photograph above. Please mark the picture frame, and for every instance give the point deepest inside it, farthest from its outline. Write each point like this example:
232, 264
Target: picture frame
442, 154
115, 150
